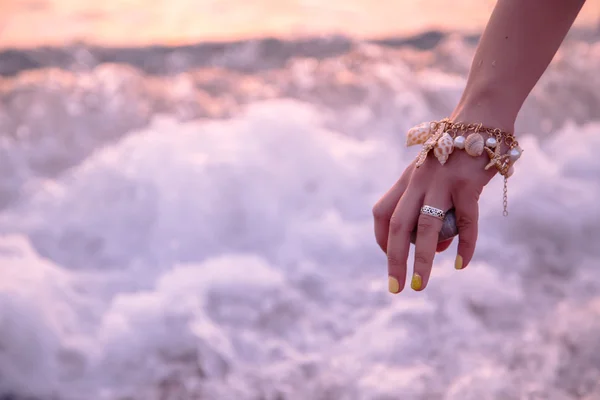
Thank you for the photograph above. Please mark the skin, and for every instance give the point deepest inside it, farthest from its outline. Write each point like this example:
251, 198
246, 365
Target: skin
519, 42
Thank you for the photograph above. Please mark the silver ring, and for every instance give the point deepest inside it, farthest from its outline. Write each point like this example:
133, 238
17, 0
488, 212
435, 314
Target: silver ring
434, 212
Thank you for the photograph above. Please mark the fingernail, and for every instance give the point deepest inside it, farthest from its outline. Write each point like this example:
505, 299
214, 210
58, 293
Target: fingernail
458, 264
416, 282
394, 286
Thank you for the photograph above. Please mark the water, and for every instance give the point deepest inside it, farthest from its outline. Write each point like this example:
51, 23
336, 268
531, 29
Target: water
196, 224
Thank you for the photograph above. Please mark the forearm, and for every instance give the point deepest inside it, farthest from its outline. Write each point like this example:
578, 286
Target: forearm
520, 40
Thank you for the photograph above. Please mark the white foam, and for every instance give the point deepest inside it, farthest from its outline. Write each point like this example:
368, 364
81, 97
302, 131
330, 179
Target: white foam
232, 259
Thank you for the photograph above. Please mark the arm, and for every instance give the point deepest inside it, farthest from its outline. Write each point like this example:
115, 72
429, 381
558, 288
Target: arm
520, 40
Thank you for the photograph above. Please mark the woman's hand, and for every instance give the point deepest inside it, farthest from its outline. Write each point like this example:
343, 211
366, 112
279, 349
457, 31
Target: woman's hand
516, 47
456, 184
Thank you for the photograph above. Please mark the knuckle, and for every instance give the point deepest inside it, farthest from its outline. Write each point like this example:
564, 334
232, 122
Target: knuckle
472, 194
378, 212
463, 181
466, 183
464, 222
423, 258
466, 244
397, 225
424, 227
394, 260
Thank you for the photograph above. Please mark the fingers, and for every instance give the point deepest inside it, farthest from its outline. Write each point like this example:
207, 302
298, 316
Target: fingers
428, 230
383, 210
402, 223
467, 214
398, 213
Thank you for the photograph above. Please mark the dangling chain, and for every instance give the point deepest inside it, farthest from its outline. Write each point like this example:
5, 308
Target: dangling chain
505, 198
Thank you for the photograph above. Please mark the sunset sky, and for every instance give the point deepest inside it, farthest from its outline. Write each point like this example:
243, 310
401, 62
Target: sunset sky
134, 22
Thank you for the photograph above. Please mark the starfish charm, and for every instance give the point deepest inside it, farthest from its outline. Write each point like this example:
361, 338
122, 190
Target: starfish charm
496, 160
429, 145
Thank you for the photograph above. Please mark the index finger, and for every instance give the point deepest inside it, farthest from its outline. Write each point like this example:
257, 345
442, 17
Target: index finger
402, 223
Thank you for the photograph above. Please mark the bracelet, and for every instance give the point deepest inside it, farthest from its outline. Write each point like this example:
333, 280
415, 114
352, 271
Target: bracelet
444, 136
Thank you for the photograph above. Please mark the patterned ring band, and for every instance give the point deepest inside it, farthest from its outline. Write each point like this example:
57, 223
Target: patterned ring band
434, 212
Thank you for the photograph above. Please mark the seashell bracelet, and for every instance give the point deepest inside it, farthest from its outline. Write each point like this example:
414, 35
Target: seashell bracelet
444, 136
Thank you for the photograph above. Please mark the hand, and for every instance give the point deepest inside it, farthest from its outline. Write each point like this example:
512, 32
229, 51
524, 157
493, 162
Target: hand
457, 184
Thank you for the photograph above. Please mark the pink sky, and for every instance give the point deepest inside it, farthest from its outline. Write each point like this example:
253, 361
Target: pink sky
133, 22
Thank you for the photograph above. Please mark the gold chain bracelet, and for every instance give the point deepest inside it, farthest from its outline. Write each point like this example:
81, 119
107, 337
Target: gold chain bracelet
444, 136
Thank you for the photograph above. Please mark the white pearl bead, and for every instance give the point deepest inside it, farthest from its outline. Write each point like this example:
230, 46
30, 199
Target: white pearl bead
459, 142
491, 142
514, 154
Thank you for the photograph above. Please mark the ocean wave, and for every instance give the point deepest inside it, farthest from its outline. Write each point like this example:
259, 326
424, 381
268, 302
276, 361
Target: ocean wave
207, 234
246, 55
236, 260
51, 119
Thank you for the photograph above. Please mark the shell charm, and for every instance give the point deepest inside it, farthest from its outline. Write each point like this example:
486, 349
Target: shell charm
474, 145
418, 134
443, 148
429, 145
442, 137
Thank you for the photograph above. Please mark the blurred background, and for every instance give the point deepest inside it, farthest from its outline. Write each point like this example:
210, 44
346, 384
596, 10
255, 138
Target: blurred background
185, 206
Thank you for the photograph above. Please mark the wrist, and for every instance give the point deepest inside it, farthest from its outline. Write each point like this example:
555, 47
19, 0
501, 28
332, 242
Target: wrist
486, 105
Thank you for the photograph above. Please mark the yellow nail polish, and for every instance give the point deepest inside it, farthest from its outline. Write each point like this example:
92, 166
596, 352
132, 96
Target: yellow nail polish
394, 286
458, 264
416, 282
